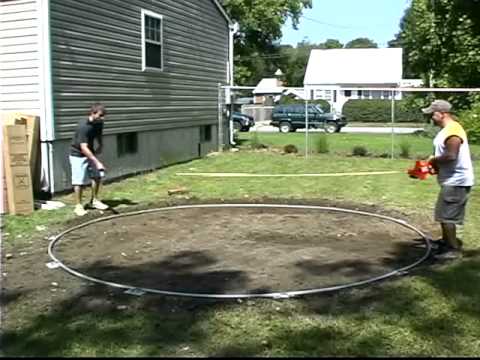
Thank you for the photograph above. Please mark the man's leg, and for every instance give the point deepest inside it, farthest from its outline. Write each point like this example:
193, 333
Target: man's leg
79, 169
95, 201
449, 232
78, 194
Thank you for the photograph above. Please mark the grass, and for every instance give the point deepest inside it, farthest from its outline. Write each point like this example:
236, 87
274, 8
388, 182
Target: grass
433, 312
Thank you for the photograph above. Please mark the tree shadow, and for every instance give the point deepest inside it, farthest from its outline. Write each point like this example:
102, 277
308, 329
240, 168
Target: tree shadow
102, 317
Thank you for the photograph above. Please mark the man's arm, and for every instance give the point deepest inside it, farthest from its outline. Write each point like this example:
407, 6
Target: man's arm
88, 153
452, 144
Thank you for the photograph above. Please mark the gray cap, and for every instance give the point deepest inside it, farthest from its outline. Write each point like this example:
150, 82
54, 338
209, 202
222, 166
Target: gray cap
438, 106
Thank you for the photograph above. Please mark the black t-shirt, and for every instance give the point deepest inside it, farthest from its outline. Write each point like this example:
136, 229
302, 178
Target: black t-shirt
87, 131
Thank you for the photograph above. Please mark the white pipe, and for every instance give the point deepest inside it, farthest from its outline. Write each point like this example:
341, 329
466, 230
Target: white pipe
233, 29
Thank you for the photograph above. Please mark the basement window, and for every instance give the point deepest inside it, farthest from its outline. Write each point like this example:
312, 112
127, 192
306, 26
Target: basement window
152, 41
206, 133
127, 144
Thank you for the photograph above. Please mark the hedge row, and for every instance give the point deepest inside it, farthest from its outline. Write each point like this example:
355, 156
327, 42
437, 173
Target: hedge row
380, 111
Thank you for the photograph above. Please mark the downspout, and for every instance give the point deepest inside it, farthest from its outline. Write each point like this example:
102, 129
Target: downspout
47, 128
233, 29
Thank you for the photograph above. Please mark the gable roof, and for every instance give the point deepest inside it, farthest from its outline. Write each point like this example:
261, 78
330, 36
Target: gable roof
268, 86
354, 66
222, 10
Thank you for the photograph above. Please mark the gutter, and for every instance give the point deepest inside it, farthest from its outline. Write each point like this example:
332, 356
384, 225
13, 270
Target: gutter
233, 29
47, 123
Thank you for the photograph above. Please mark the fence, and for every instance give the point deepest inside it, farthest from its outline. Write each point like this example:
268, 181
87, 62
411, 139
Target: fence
303, 115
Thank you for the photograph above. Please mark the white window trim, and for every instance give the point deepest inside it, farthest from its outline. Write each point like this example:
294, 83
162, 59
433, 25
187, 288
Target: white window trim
144, 57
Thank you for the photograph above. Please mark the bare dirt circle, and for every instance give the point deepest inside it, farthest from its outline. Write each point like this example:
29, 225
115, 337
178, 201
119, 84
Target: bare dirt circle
239, 250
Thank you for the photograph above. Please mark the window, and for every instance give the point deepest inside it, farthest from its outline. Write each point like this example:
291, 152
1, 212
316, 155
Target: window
152, 40
127, 144
348, 93
206, 133
359, 94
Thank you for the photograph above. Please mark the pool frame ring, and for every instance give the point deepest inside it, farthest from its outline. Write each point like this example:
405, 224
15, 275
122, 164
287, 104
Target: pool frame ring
274, 295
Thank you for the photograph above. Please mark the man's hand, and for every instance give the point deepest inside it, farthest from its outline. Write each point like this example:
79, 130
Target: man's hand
99, 165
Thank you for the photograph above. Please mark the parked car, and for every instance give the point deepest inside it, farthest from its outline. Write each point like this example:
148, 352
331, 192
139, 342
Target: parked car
289, 118
242, 122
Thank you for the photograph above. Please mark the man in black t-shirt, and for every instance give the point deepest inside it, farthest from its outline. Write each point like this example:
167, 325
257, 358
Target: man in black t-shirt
86, 168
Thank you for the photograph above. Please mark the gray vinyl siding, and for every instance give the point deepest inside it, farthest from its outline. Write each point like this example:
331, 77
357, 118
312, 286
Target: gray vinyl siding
97, 56
19, 57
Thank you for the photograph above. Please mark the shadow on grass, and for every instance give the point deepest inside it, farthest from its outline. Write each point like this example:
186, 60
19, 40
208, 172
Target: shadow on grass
92, 324
105, 321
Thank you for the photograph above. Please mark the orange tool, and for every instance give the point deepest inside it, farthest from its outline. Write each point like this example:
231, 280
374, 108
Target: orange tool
422, 170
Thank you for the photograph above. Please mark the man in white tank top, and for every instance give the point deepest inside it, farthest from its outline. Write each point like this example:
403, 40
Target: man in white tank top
453, 162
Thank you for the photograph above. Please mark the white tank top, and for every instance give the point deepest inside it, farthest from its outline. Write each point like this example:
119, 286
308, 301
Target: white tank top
459, 172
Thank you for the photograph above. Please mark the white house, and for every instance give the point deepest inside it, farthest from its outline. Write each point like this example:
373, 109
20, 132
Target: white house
268, 90
330, 73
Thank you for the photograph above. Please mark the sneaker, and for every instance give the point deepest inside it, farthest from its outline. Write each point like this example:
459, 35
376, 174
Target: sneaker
449, 255
80, 210
97, 204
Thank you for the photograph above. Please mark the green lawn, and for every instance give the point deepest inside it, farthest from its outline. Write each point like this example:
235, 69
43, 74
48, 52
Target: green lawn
433, 312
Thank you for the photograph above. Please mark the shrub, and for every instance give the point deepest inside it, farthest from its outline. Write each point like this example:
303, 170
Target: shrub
429, 131
290, 149
321, 144
381, 111
470, 120
359, 151
405, 148
255, 142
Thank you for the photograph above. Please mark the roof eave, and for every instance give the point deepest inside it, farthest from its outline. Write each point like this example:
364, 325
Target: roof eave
222, 10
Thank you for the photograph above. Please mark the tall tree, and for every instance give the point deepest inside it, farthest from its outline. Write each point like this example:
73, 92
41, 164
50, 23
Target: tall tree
360, 43
260, 22
441, 41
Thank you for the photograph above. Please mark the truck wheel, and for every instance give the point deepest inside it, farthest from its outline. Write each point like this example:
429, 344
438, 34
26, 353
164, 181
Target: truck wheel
285, 127
331, 128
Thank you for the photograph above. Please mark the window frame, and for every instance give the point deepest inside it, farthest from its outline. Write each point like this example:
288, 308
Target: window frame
144, 14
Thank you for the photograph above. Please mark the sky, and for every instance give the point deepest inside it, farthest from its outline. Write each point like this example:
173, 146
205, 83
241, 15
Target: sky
346, 20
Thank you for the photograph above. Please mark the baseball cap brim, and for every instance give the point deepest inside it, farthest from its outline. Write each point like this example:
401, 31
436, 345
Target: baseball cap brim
427, 110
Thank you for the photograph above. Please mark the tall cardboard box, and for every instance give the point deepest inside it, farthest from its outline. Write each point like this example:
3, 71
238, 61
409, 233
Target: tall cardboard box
32, 129
17, 170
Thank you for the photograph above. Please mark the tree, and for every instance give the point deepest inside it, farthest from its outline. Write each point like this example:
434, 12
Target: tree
332, 44
260, 27
361, 43
441, 41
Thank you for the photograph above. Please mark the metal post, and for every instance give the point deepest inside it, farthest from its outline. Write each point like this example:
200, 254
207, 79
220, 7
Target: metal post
393, 123
306, 129
220, 119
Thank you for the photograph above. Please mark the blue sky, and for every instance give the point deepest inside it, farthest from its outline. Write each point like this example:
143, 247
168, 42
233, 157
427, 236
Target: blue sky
346, 20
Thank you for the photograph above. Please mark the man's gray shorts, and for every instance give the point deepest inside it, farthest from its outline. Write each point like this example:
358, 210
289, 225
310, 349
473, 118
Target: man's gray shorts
83, 171
451, 204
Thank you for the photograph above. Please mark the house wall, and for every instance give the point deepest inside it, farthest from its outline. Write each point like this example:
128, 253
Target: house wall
20, 57
97, 57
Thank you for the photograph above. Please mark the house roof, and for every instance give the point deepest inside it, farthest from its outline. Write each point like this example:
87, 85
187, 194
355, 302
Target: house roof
222, 10
354, 66
268, 86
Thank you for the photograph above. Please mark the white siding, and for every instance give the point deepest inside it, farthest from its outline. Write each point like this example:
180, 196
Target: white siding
20, 56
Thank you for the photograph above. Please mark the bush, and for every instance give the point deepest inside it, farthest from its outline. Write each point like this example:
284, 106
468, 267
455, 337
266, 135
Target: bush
429, 131
381, 111
470, 120
255, 142
359, 151
405, 148
321, 144
290, 149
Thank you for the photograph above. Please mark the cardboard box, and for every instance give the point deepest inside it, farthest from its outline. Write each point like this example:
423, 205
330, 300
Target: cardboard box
17, 170
32, 130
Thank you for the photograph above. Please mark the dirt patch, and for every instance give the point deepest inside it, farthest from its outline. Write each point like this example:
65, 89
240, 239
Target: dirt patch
204, 251
239, 250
